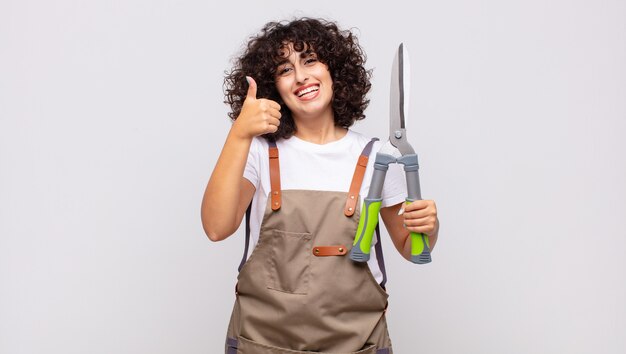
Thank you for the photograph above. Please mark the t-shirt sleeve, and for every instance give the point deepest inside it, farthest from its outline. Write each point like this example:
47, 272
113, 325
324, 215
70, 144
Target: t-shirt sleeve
251, 172
394, 189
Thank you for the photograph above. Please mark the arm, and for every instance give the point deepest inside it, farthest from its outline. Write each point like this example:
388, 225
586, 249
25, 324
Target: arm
228, 193
419, 216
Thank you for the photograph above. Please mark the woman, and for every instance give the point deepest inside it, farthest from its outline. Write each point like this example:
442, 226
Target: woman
297, 89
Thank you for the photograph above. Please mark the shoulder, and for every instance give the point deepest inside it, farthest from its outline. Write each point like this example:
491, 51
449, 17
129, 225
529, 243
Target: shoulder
259, 146
259, 143
361, 140
258, 152
357, 137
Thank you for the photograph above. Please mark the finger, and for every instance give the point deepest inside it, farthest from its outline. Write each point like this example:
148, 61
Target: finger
268, 105
420, 206
251, 87
271, 128
274, 121
425, 221
274, 113
416, 205
417, 214
274, 104
422, 226
427, 230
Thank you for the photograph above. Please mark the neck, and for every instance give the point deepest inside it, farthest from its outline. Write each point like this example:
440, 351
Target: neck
319, 131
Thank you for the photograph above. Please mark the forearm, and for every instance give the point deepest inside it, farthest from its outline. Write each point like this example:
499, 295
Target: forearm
222, 194
399, 228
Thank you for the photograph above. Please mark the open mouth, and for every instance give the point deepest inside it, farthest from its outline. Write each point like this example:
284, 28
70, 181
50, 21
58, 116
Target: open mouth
308, 90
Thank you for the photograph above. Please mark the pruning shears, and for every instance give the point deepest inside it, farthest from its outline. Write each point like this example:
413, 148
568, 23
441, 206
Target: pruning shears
398, 110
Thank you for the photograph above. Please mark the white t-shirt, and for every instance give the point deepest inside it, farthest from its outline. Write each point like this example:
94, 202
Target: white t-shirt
328, 167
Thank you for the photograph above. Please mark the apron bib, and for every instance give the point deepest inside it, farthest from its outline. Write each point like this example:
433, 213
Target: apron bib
299, 292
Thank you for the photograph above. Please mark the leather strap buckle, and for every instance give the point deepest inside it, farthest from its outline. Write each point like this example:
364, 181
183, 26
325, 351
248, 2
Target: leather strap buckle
324, 251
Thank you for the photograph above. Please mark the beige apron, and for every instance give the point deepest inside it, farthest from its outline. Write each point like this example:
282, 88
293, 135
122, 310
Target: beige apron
299, 292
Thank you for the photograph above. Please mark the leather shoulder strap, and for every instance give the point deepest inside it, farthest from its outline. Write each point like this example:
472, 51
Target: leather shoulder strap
357, 178
274, 176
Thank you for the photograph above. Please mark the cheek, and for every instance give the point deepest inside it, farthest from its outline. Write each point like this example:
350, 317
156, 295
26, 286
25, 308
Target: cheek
328, 80
283, 90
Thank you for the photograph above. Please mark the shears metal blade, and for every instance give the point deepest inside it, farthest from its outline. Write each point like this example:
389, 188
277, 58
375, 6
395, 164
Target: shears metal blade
399, 100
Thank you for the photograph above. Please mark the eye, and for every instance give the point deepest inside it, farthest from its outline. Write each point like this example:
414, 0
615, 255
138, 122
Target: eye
283, 70
312, 58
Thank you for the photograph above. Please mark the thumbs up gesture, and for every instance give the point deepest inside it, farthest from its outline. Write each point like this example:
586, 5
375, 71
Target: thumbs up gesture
258, 116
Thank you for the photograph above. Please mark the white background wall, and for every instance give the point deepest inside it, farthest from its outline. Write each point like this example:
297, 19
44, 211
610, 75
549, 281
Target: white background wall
111, 120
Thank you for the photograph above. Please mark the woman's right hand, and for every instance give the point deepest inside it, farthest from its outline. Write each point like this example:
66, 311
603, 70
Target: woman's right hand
258, 116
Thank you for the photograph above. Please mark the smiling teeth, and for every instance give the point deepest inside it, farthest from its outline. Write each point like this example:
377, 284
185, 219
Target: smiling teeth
307, 90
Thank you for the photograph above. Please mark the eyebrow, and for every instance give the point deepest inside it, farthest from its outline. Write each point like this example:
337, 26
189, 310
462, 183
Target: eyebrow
307, 52
303, 55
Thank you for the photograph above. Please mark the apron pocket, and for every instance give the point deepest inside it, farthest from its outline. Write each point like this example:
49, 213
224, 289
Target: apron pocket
247, 346
288, 262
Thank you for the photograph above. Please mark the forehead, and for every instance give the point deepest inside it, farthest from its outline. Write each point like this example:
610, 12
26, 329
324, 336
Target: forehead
287, 49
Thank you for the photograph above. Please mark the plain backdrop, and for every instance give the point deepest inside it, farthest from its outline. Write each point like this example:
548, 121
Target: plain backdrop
112, 119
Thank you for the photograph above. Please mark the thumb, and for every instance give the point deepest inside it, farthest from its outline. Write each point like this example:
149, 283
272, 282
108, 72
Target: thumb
251, 87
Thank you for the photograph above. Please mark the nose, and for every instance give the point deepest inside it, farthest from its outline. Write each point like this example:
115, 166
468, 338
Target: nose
301, 74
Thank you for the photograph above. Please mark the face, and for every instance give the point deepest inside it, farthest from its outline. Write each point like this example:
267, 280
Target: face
305, 85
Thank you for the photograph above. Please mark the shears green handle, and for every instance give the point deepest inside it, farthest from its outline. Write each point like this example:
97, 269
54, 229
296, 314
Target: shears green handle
360, 251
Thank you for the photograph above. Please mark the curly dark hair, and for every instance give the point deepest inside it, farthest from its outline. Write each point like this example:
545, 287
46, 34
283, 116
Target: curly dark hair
336, 48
